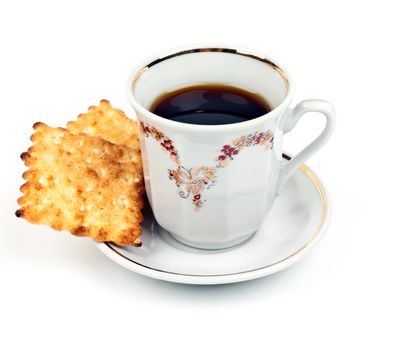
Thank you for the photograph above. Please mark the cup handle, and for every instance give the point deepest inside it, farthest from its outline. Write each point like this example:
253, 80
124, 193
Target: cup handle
288, 122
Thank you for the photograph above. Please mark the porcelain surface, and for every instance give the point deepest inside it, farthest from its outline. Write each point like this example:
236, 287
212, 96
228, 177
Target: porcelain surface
297, 220
201, 178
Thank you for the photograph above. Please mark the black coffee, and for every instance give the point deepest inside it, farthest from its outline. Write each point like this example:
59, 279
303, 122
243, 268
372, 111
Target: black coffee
210, 104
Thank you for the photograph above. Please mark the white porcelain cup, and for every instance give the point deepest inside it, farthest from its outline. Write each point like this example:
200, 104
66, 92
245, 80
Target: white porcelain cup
211, 186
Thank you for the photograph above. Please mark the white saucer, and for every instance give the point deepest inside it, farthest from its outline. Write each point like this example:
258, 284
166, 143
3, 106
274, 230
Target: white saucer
296, 222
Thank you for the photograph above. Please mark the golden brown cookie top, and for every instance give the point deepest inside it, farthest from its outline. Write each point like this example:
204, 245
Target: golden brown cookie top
83, 184
108, 123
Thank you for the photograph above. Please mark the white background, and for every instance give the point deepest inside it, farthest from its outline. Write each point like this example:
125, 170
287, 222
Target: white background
60, 292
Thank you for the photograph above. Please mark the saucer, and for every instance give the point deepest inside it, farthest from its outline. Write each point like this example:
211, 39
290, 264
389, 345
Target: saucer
298, 219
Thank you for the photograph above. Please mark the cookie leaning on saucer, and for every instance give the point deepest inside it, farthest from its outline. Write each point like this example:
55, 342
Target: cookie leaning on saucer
82, 184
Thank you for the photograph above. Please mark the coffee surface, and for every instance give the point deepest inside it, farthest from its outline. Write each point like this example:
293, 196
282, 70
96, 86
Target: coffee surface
210, 104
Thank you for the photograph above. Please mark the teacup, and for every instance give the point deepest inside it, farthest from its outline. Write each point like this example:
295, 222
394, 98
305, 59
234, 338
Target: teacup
202, 196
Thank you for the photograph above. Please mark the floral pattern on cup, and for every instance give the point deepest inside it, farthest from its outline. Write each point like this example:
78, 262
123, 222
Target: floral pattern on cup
259, 138
191, 182
165, 142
